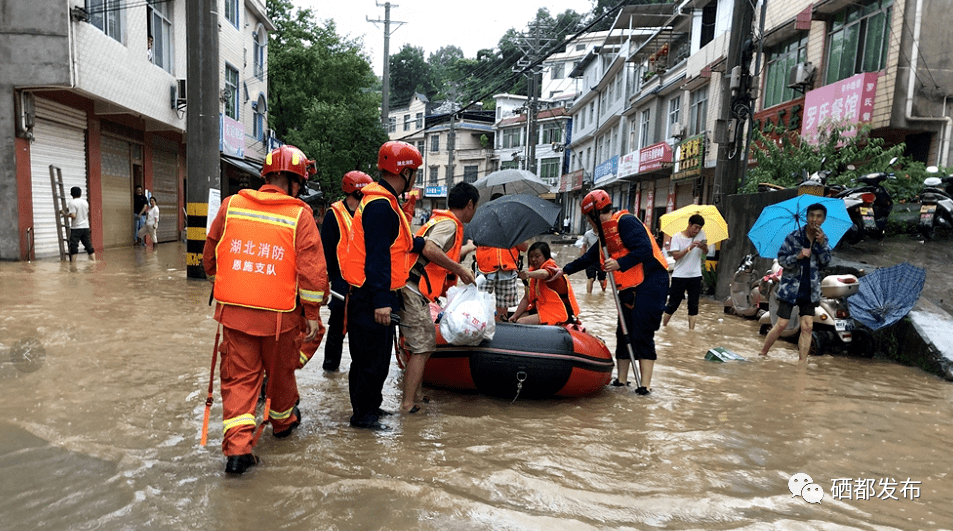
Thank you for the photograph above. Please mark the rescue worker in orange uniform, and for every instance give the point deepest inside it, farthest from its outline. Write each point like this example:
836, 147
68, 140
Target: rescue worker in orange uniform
334, 234
429, 280
549, 293
381, 249
640, 271
263, 253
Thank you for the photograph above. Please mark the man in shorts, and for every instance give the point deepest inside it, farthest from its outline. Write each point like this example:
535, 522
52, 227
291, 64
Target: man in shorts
428, 281
802, 255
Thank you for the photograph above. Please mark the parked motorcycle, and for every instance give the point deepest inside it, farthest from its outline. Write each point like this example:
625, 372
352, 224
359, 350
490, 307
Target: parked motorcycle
745, 299
869, 205
833, 326
936, 203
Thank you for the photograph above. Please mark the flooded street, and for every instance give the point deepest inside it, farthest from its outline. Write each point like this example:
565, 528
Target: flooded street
103, 433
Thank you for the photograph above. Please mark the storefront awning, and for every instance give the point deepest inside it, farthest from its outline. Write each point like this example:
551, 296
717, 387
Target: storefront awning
242, 165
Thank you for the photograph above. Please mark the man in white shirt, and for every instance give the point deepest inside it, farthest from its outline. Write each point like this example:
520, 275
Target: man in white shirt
79, 225
689, 249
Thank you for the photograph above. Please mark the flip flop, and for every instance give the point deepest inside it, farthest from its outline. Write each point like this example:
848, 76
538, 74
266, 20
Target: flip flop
426, 399
414, 410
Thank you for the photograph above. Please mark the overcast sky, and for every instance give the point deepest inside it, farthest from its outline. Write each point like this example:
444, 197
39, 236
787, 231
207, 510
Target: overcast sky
432, 24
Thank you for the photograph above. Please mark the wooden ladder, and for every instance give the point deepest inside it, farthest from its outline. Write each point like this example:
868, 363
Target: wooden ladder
60, 211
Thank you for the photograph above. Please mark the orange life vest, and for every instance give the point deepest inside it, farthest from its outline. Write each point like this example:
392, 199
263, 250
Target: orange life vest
343, 218
434, 280
256, 256
549, 304
635, 275
489, 259
400, 256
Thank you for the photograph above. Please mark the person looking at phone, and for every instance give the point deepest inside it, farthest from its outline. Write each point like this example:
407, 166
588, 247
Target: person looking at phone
689, 249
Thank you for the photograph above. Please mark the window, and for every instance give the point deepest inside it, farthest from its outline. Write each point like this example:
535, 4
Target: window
709, 15
611, 91
420, 120
435, 143
618, 85
107, 15
406, 122
592, 112
549, 170
644, 125
420, 146
780, 61
588, 152
261, 42
231, 92
511, 138
552, 132
391, 124
231, 12
582, 119
470, 173
580, 47
698, 109
857, 41
559, 71
674, 112
509, 165
433, 175
259, 107
602, 103
159, 27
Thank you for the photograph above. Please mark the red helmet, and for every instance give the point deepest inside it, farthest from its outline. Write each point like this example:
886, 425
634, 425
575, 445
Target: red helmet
354, 181
595, 200
290, 159
394, 156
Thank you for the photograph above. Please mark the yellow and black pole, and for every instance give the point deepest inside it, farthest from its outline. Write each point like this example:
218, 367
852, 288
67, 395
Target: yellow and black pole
203, 164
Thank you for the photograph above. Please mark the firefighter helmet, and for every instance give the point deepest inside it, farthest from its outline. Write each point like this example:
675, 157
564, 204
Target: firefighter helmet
595, 200
288, 158
394, 156
355, 180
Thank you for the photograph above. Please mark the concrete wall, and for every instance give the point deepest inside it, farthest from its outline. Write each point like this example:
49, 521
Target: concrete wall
741, 211
34, 49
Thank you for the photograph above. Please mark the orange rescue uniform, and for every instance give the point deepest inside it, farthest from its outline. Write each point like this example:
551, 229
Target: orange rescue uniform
552, 298
262, 251
490, 259
433, 283
634, 275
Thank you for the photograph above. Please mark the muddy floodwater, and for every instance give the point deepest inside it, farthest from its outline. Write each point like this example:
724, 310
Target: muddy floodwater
104, 369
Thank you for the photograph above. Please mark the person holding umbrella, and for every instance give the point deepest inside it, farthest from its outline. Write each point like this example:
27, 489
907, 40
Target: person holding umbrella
639, 277
689, 249
803, 254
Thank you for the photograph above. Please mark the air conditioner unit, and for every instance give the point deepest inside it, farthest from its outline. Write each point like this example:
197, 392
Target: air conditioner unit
678, 130
180, 88
801, 75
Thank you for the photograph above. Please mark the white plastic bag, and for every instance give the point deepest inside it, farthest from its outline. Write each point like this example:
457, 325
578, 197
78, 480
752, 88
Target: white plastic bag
469, 316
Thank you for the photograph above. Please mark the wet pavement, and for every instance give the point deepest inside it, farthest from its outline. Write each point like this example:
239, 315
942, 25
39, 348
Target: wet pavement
101, 430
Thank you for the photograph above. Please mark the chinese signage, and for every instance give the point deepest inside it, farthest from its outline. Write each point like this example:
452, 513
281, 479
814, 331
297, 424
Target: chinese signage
232, 139
576, 177
649, 206
629, 164
605, 173
689, 158
565, 181
848, 102
259, 259
436, 191
654, 157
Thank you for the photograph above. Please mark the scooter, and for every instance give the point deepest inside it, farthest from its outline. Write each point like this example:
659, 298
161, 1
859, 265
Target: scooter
936, 204
745, 299
833, 326
868, 205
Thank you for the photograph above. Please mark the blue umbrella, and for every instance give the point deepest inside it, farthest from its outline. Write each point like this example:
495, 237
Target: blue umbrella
886, 295
778, 220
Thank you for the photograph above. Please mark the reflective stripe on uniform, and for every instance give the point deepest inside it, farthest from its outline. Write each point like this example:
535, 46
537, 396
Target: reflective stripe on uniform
263, 217
242, 420
280, 415
303, 358
311, 296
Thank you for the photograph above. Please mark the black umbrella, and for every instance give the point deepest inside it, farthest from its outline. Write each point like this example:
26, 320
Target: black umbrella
511, 219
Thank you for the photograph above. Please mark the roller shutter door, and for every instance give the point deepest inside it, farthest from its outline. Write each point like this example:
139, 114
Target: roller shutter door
684, 193
63, 146
117, 193
165, 187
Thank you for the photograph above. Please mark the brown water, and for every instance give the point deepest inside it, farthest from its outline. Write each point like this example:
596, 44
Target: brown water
104, 434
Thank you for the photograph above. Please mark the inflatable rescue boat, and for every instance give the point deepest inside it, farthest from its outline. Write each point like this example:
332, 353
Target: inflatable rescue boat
546, 360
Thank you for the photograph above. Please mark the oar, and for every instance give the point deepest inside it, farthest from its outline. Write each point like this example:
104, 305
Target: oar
615, 295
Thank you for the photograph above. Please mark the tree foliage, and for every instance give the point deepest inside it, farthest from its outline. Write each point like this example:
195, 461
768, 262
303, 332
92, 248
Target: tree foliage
784, 159
321, 94
410, 73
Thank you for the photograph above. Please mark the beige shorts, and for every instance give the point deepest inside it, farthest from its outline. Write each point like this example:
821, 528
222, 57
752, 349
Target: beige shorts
416, 324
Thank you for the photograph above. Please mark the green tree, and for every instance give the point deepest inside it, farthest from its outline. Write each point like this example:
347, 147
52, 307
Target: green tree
410, 73
322, 95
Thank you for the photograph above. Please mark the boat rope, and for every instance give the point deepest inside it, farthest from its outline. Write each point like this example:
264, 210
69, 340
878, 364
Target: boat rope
520, 378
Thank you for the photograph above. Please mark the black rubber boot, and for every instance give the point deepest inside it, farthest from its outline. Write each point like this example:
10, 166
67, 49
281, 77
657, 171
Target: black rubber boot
286, 432
238, 464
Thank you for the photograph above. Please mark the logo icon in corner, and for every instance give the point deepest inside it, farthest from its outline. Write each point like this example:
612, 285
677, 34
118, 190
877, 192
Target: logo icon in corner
803, 485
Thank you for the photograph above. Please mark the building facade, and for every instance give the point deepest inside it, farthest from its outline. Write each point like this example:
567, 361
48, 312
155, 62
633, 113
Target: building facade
97, 89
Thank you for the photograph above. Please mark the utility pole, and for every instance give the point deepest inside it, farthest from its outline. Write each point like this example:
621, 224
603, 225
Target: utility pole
736, 103
451, 141
533, 47
385, 90
203, 161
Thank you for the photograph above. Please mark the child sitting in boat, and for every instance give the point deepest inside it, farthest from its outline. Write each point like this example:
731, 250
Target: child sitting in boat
549, 300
